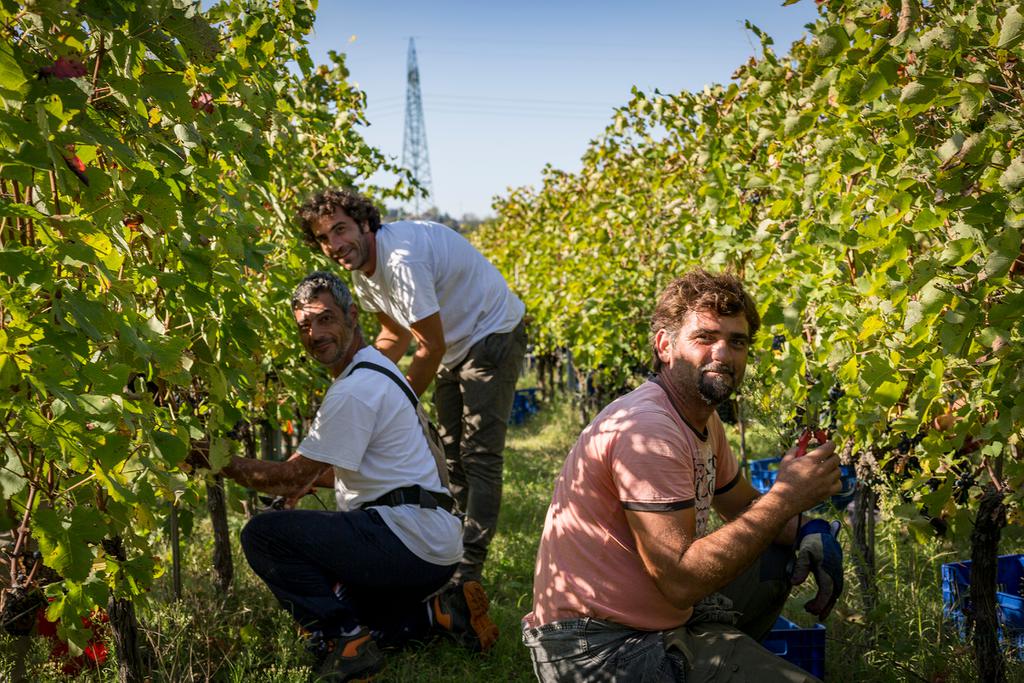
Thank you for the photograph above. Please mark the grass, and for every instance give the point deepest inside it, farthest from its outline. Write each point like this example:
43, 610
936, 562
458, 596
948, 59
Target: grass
245, 636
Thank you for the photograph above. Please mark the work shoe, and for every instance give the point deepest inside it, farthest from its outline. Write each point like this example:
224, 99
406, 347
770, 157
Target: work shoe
351, 658
461, 612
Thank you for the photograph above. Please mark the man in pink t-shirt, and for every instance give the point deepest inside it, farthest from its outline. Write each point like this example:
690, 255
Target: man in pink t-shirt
629, 585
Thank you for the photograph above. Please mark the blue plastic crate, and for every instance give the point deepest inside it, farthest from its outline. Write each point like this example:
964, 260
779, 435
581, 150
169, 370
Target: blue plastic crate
524, 404
956, 599
764, 471
804, 647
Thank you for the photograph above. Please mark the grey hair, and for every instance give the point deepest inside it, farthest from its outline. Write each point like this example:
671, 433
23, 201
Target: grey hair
322, 281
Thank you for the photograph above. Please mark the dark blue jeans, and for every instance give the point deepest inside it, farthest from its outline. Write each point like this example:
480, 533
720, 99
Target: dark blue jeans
303, 556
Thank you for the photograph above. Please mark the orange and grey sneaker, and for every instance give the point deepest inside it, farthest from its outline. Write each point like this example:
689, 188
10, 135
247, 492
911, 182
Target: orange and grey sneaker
461, 612
352, 658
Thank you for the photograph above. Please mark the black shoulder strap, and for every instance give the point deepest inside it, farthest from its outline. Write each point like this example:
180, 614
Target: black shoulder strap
394, 378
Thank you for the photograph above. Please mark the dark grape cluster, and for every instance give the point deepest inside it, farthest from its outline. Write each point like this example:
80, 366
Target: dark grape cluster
907, 443
828, 417
962, 487
777, 342
20, 607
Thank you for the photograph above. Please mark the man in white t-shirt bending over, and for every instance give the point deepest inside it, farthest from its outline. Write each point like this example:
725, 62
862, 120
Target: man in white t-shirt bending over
427, 282
364, 573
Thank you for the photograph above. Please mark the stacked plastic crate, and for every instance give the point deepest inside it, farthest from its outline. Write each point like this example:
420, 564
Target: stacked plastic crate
524, 404
804, 647
956, 599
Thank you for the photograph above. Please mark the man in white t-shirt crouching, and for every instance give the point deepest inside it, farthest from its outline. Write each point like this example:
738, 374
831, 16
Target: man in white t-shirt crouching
362, 574
426, 282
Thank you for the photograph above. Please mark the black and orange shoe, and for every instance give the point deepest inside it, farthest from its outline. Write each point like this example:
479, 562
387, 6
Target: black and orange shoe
352, 659
461, 612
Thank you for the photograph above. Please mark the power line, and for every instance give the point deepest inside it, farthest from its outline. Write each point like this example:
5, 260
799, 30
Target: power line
505, 114
602, 58
473, 106
503, 104
485, 98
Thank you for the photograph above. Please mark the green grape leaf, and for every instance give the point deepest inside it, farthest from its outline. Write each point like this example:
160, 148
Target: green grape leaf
169, 447
12, 78
66, 544
1012, 178
1011, 29
12, 477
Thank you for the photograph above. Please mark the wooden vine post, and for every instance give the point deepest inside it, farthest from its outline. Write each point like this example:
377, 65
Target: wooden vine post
223, 566
983, 618
124, 627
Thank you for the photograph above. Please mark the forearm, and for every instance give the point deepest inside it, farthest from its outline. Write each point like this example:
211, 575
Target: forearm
788, 534
709, 563
323, 480
392, 345
326, 479
423, 368
274, 478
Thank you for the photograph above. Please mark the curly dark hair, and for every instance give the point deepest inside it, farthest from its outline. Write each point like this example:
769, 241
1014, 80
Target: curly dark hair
699, 290
326, 202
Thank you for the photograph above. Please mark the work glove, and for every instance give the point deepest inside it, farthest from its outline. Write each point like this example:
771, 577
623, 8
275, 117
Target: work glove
818, 552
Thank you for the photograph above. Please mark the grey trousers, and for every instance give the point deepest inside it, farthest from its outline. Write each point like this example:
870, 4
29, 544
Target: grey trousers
718, 643
473, 402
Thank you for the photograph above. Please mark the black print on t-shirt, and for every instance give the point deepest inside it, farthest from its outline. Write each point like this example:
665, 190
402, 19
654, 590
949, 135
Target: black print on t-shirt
704, 466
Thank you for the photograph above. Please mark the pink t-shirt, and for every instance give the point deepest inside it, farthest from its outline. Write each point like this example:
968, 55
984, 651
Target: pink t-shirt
638, 454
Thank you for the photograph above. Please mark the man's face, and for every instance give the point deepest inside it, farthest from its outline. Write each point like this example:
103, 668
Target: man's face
706, 358
344, 241
326, 331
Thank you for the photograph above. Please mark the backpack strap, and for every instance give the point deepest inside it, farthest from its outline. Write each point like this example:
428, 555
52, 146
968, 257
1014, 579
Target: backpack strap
430, 433
394, 378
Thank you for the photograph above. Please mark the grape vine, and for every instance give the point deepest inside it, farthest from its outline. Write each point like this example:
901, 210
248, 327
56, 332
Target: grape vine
868, 187
152, 155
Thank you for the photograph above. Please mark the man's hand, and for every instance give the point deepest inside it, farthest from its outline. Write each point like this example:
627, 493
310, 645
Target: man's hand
809, 479
818, 552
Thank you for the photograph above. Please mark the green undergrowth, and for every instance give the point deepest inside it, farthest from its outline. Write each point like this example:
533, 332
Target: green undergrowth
245, 636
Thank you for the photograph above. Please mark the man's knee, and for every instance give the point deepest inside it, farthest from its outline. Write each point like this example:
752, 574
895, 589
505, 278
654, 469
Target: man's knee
722, 652
258, 535
777, 562
484, 463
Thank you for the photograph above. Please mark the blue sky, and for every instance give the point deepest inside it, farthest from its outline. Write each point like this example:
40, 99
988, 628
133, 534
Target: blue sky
509, 87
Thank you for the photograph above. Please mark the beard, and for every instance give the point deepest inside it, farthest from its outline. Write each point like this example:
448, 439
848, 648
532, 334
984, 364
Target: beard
715, 388
329, 351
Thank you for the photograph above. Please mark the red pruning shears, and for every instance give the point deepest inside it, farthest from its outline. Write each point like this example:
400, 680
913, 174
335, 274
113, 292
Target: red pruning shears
805, 439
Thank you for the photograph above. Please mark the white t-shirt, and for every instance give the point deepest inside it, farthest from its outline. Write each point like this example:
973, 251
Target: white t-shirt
424, 268
368, 430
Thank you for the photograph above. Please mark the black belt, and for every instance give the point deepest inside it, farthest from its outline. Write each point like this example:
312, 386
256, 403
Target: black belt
414, 495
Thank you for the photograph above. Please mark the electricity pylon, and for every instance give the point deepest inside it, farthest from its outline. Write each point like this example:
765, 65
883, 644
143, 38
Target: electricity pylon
414, 145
